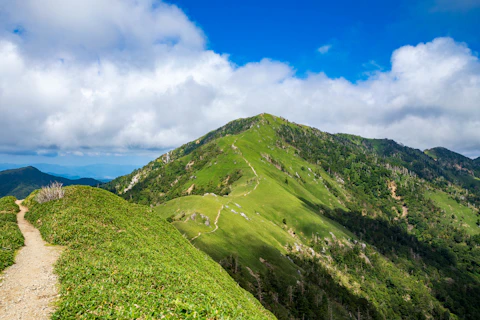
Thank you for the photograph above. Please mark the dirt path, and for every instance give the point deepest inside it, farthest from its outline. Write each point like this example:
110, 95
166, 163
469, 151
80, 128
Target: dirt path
251, 167
216, 220
404, 211
29, 287
215, 223
256, 175
245, 194
393, 189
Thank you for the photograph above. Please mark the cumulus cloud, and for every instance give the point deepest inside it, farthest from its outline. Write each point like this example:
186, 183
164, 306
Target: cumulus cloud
152, 85
88, 29
325, 48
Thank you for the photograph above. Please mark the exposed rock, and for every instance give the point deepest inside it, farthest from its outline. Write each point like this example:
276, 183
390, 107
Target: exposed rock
189, 190
364, 257
189, 165
174, 182
392, 186
244, 215
134, 181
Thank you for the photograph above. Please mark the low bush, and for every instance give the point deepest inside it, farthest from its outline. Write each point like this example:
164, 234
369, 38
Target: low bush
53, 191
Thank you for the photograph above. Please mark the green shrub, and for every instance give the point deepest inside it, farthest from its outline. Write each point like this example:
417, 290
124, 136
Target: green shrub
11, 237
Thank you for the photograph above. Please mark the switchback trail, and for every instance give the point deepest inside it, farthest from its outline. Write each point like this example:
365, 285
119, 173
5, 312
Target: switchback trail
251, 167
245, 194
215, 223
29, 287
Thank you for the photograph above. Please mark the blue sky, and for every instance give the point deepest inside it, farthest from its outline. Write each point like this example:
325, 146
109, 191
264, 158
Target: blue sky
88, 81
362, 34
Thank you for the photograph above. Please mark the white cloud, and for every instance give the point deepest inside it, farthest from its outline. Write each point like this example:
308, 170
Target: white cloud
156, 93
325, 48
87, 29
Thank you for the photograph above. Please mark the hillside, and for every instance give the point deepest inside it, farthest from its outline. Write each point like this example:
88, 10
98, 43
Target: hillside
124, 262
101, 172
10, 236
455, 161
317, 225
21, 182
432, 164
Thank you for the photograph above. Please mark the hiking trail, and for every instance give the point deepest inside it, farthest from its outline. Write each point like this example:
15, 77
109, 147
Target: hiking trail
28, 288
223, 206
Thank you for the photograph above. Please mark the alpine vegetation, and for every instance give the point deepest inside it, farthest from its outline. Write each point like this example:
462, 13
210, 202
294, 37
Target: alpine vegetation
53, 191
11, 238
321, 226
122, 261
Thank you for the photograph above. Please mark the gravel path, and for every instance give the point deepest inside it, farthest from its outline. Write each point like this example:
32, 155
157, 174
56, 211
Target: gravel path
29, 287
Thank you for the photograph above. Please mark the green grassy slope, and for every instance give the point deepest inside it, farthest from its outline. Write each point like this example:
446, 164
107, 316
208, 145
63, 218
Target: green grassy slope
124, 262
21, 182
262, 214
455, 213
390, 210
11, 237
310, 224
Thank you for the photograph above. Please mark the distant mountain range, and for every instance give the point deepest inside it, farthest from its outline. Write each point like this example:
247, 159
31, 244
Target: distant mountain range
102, 172
21, 182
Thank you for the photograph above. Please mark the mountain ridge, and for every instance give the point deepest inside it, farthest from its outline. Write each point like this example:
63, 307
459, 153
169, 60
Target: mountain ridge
309, 200
453, 159
121, 262
22, 181
99, 171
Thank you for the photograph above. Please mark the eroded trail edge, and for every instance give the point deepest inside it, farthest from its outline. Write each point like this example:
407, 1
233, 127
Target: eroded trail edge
28, 288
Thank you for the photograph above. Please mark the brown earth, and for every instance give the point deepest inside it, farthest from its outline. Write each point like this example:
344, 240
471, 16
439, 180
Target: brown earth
28, 288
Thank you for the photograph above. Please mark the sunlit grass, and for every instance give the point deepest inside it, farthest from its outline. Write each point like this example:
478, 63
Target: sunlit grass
123, 261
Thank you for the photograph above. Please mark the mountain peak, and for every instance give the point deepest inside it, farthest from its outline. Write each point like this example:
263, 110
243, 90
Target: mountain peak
301, 195
22, 181
444, 153
30, 168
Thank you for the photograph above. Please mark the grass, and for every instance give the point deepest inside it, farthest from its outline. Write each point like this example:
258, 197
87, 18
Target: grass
283, 210
11, 237
264, 235
283, 202
465, 217
123, 262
